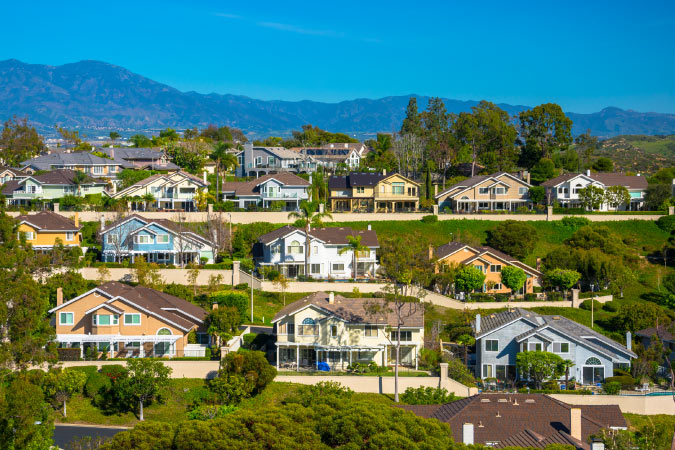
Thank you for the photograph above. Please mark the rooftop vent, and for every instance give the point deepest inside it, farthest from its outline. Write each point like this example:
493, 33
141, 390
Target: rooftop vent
498, 415
529, 400
556, 317
501, 400
485, 400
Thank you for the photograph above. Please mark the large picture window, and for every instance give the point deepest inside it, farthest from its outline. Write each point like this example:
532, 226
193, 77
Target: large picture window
132, 319
295, 248
66, 318
106, 319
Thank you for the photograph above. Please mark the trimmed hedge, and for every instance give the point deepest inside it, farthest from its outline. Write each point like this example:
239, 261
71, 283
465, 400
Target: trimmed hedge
96, 384
69, 354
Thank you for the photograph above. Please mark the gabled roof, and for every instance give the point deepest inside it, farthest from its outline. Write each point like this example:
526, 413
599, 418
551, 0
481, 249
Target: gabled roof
578, 333
251, 187
360, 179
475, 181
151, 155
171, 309
168, 178
330, 236
60, 177
15, 172
479, 251
532, 420
661, 332
162, 223
605, 178
352, 310
48, 221
84, 158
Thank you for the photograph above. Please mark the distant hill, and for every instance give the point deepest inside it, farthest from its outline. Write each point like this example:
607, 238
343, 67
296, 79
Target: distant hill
96, 95
639, 153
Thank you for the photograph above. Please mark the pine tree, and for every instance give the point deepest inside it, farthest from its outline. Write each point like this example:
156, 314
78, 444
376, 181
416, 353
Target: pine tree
412, 124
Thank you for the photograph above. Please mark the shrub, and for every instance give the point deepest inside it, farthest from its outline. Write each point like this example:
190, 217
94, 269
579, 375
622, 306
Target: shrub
612, 387
610, 307
97, 383
314, 393
574, 222
114, 372
230, 298
429, 359
88, 370
623, 380
244, 373
458, 372
586, 304
192, 337
208, 412
68, 354
666, 223
427, 396
514, 238
551, 386
430, 219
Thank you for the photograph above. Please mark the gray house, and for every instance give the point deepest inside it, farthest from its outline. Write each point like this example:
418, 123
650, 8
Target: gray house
501, 336
259, 161
284, 187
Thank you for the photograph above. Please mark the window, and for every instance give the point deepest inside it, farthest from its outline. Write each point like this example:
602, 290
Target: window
287, 328
491, 345
315, 250
29, 235
370, 331
577, 188
333, 331
132, 319
98, 170
106, 319
31, 189
295, 248
483, 205
315, 268
480, 267
505, 372
111, 238
132, 345
276, 249
142, 239
291, 328
308, 327
483, 190
487, 371
495, 268
500, 190
397, 188
70, 235
406, 336
497, 287
85, 188
163, 239
360, 190
258, 161
531, 346
338, 267
66, 318
561, 347
411, 191
593, 361
270, 160
522, 191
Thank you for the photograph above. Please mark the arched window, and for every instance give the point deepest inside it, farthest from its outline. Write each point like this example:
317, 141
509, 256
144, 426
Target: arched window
164, 332
308, 321
163, 348
295, 248
464, 198
593, 361
578, 187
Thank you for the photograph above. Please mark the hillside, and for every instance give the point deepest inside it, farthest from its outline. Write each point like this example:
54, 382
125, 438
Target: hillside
639, 153
93, 95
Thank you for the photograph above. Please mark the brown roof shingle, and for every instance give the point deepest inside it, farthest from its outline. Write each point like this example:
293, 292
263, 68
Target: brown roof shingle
47, 220
251, 187
606, 178
329, 235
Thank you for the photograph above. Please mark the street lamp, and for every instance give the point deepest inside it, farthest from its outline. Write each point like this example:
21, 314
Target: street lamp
592, 304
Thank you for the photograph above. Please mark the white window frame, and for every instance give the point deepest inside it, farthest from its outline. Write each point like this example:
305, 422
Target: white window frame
492, 371
313, 266
370, 331
70, 236
333, 331
522, 190
337, 270
534, 344
489, 349
66, 323
97, 170
500, 191
560, 352
114, 320
495, 268
404, 333
132, 315
483, 190
111, 238
137, 239
292, 247
162, 239
29, 235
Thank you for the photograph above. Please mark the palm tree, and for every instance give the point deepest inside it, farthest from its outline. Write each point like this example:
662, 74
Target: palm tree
147, 198
466, 340
308, 217
566, 364
354, 245
114, 135
79, 179
224, 160
319, 187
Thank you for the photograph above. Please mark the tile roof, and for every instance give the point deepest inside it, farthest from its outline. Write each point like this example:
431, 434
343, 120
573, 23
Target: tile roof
168, 177
662, 332
474, 181
251, 187
354, 310
448, 249
606, 178
332, 235
16, 172
534, 420
47, 220
151, 155
356, 179
55, 177
166, 223
46, 162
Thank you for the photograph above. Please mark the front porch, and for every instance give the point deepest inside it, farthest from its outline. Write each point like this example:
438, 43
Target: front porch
166, 257
368, 205
312, 357
125, 346
473, 206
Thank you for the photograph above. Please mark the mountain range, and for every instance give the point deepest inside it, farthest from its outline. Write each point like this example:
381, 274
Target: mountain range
94, 95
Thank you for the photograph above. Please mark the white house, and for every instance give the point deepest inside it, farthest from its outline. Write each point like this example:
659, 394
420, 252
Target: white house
173, 191
565, 188
284, 250
338, 331
330, 155
283, 187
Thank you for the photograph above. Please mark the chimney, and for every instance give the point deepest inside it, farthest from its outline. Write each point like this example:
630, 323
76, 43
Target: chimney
77, 220
629, 341
467, 434
214, 306
477, 323
102, 220
369, 227
575, 423
331, 298
431, 252
588, 172
112, 153
527, 177
435, 190
59, 296
538, 265
384, 171
597, 444
205, 177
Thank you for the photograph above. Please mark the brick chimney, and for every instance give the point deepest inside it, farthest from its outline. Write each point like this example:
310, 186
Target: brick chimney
214, 306
431, 252
575, 423
77, 220
59, 296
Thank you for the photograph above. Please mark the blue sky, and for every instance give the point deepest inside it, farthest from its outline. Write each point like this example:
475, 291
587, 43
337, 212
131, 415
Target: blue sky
582, 55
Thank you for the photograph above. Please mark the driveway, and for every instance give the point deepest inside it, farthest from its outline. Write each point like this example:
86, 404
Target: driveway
65, 434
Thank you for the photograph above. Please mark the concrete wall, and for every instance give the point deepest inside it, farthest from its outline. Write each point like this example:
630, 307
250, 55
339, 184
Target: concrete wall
178, 276
180, 369
282, 217
634, 404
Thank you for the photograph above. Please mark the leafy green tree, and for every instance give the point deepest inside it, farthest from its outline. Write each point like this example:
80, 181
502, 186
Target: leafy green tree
603, 165
427, 396
665, 175
147, 274
412, 123
513, 278
469, 279
355, 246
591, 197
114, 135
130, 177
514, 237
466, 341
308, 217
67, 383
637, 316
658, 197
616, 196
25, 418
545, 130
537, 194
19, 141
243, 374
189, 155
143, 381
217, 134
235, 299
539, 366
586, 145
140, 141
223, 321
543, 170
563, 278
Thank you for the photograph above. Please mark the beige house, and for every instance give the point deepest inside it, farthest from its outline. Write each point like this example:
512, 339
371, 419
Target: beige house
171, 191
488, 260
373, 192
130, 322
338, 331
496, 192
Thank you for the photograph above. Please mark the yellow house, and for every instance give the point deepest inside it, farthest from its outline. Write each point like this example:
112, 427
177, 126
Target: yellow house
127, 322
496, 192
489, 261
44, 229
373, 192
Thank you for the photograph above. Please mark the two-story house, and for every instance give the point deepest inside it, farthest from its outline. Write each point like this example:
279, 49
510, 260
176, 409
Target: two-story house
10, 173
501, 336
284, 187
564, 189
499, 191
142, 158
129, 322
328, 328
93, 165
488, 260
259, 161
373, 192
330, 156
171, 191
284, 250
51, 186
157, 240
45, 229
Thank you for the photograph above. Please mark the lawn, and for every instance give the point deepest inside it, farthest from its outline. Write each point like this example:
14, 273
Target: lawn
636, 421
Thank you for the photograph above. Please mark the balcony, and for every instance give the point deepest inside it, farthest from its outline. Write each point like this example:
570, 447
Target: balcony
281, 195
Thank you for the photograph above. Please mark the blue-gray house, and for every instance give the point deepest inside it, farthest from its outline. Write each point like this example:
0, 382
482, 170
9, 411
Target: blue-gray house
501, 336
157, 240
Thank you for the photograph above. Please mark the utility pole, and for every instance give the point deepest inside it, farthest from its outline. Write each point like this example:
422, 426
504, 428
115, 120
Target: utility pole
251, 295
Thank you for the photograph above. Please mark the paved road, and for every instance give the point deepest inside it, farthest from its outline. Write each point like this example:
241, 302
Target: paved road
65, 434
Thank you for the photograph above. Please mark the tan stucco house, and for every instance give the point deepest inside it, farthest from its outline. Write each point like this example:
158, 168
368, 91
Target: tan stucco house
130, 322
500, 191
328, 328
373, 192
489, 261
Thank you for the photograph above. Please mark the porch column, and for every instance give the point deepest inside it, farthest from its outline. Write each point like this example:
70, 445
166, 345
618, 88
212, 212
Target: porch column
415, 357
350, 357
278, 351
297, 358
